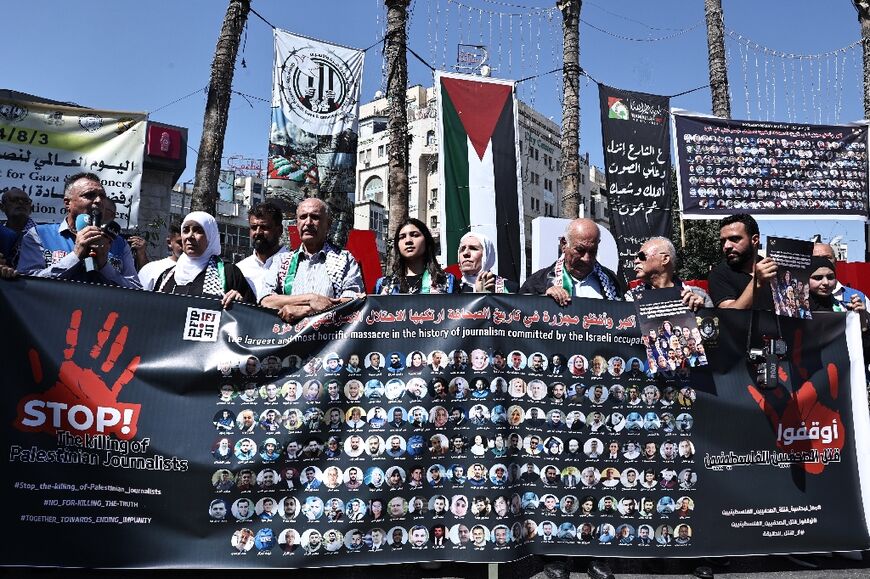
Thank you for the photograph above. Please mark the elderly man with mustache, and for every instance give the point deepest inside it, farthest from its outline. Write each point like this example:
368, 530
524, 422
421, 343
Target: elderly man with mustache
315, 277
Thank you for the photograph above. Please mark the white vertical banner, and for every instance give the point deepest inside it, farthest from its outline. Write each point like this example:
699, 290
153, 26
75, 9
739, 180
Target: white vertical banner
315, 114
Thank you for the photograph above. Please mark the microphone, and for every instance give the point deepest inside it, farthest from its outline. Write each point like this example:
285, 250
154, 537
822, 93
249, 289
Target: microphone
93, 217
82, 221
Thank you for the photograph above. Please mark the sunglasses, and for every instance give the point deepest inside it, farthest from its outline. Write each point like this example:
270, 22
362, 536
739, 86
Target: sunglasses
642, 256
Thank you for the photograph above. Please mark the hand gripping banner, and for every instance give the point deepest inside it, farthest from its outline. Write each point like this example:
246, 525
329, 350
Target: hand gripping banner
459, 428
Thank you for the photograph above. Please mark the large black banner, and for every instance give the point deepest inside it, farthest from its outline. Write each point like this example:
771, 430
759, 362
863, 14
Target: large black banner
155, 431
637, 156
764, 168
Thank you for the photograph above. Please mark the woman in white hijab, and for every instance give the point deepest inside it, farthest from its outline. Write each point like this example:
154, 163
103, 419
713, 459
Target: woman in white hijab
476, 259
200, 271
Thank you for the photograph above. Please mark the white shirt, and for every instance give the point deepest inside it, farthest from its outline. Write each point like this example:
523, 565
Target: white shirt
253, 269
588, 287
152, 270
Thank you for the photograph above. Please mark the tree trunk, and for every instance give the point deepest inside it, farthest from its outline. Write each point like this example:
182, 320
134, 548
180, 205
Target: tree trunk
214, 122
716, 58
570, 161
397, 124
863, 8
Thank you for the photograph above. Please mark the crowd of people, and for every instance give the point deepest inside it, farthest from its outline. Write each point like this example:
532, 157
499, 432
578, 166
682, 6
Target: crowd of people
317, 276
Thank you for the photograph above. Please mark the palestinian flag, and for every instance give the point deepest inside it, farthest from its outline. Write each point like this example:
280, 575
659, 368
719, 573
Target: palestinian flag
479, 168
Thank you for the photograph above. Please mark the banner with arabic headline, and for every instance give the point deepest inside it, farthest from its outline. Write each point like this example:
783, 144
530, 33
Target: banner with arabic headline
42, 144
793, 170
405, 429
637, 156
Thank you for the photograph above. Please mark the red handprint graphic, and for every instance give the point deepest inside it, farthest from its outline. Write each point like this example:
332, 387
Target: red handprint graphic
81, 401
802, 423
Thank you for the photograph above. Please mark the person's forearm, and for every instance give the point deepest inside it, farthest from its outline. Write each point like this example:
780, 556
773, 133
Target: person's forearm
276, 301
744, 302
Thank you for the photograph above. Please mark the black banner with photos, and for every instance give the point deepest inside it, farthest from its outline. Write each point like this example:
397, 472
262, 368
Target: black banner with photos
409, 428
637, 156
766, 168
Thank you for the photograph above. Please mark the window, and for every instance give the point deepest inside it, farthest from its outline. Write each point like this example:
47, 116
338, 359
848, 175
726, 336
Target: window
430, 138
433, 222
373, 190
380, 150
548, 184
433, 194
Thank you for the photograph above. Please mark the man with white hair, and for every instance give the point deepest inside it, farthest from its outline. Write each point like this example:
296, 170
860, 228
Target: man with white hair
655, 266
315, 277
577, 272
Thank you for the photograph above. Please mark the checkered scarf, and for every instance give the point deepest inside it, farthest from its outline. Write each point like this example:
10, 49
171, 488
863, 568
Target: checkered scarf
607, 286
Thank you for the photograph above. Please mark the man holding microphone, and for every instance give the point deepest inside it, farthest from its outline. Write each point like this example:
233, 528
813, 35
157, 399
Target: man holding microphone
75, 249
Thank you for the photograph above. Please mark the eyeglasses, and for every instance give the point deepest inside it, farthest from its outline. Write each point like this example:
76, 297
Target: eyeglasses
642, 256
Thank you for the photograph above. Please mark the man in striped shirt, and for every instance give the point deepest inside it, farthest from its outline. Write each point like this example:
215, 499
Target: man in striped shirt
315, 277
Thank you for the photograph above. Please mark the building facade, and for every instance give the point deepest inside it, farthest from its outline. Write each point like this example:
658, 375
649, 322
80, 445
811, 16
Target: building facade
231, 215
540, 154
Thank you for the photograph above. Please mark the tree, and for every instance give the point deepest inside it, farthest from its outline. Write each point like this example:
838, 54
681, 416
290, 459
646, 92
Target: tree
716, 58
700, 248
863, 8
570, 161
214, 122
397, 123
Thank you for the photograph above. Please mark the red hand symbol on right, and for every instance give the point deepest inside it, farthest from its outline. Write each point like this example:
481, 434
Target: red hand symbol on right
785, 410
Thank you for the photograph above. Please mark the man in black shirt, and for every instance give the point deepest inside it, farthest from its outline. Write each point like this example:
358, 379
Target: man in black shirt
729, 281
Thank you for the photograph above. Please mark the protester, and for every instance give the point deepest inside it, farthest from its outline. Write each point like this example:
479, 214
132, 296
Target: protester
200, 271
823, 281
415, 269
17, 207
577, 271
729, 281
265, 227
138, 245
841, 293
315, 277
655, 265
476, 259
60, 250
151, 270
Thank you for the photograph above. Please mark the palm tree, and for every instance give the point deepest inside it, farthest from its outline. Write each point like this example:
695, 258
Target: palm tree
397, 124
570, 162
863, 8
214, 122
716, 58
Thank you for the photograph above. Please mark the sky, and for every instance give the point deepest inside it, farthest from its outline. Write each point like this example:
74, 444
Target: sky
156, 56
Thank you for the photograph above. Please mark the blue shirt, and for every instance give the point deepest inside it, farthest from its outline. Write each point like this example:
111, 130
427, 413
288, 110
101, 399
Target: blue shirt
47, 251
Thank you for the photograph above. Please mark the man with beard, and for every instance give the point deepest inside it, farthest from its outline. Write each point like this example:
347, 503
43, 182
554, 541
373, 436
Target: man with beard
729, 281
264, 221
